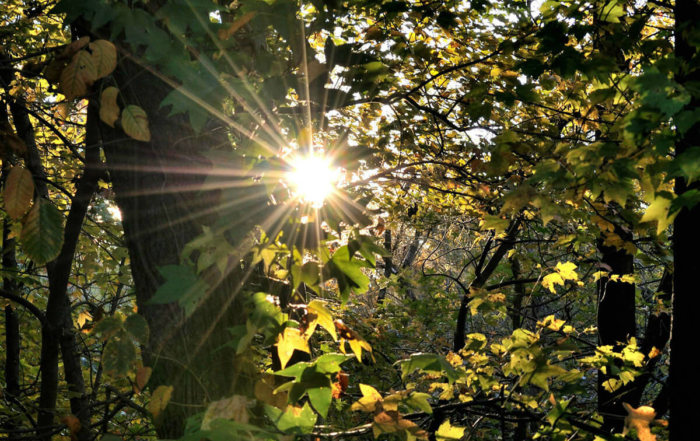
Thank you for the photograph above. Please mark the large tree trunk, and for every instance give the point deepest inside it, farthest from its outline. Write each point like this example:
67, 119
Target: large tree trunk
616, 324
158, 187
684, 385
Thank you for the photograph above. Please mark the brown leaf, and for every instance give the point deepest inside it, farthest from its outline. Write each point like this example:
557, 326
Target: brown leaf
73, 424
265, 392
78, 75
19, 191
159, 400
234, 408
143, 374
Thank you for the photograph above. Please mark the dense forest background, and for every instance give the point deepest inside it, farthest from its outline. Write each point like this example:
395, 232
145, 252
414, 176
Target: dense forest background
338, 220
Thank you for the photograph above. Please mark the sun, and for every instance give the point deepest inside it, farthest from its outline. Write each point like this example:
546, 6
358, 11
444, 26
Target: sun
313, 179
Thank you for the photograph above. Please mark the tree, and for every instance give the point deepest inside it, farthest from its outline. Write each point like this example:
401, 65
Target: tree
522, 164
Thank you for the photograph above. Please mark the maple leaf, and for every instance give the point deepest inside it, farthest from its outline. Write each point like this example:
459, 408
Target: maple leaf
658, 211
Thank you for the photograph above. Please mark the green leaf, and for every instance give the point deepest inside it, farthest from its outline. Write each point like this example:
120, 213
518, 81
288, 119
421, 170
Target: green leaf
297, 420
182, 286
119, 355
429, 363
137, 326
108, 327
321, 398
42, 232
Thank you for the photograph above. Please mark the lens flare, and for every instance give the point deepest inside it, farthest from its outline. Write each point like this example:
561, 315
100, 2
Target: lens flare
313, 179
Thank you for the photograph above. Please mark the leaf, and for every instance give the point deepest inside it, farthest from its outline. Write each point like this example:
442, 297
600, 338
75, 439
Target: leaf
368, 402
135, 123
137, 326
78, 75
291, 339
42, 232
294, 419
391, 422
104, 57
19, 191
323, 316
143, 374
109, 109
108, 327
659, 211
119, 355
448, 432
73, 424
159, 400
429, 363
550, 280
234, 408
181, 286
640, 419
566, 270
265, 392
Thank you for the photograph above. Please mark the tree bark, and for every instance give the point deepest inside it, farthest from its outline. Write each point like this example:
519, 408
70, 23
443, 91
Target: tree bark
159, 190
616, 325
683, 384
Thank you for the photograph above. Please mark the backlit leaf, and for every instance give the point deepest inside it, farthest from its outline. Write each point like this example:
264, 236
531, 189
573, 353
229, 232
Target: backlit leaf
19, 191
42, 232
78, 75
104, 57
135, 123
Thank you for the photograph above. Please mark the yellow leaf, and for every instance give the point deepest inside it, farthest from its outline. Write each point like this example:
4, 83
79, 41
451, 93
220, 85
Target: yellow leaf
552, 279
323, 316
369, 400
566, 270
109, 109
234, 408
288, 341
78, 75
159, 400
448, 432
135, 123
19, 191
658, 211
654, 352
104, 57
551, 322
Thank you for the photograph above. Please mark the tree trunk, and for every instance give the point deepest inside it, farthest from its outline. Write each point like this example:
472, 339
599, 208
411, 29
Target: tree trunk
158, 188
616, 324
683, 382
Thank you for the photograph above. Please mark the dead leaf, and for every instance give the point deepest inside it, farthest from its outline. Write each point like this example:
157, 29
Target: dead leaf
159, 400
234, 408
